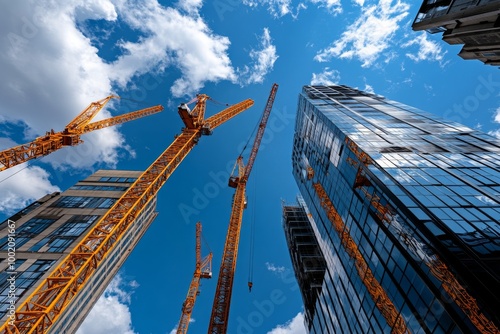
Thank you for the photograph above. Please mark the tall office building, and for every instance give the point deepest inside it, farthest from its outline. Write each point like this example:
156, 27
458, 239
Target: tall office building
476, 24
47, 230
405, 209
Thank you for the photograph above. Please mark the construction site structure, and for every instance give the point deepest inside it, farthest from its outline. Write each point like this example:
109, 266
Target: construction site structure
203, 269
222, 300
42, 308
70, 136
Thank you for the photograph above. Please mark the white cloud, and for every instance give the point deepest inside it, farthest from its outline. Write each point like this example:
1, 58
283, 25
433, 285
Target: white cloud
427, 50
327, 77
174, 330
370, 35
172, 38
496, 119
369, 89
111, 314
277, 8
21, 185
273, 268
263, 61
294, 326
51, 70
190, 6
333, 6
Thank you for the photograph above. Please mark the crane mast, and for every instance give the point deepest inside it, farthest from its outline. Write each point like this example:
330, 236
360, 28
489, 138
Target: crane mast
70, 136
203, 270
40, 310
222, 299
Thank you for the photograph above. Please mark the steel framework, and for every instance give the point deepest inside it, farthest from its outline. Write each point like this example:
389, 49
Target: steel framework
70, 136
203, 270
43, 307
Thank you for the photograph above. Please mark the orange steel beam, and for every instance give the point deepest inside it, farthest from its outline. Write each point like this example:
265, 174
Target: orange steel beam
260, 132
70, 136
121, 119
376, 291
88, 113
43, 307
202, 270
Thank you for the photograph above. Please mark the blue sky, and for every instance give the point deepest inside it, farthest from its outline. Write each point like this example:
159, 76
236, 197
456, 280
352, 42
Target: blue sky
58, 56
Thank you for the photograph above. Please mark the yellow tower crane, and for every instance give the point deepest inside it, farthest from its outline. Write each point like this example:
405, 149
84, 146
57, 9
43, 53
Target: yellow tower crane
222, 299
70, 136
40, 310
203, 270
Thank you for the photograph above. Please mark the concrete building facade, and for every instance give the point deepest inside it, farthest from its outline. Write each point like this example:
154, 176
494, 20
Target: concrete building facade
47, 230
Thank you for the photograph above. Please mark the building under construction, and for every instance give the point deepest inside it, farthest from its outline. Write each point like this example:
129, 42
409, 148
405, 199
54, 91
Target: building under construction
404, 209
49, 228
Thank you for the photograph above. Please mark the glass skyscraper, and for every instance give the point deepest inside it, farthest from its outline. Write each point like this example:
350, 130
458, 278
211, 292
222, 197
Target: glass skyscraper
405, 209
47, 230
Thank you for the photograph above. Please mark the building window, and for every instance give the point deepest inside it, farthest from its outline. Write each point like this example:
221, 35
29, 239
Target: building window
103, 188
27, 231
65, 234
84, 202
24, 281
118, 179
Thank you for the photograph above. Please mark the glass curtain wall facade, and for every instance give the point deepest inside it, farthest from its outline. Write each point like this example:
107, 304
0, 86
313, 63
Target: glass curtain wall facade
405, 208
47, 230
